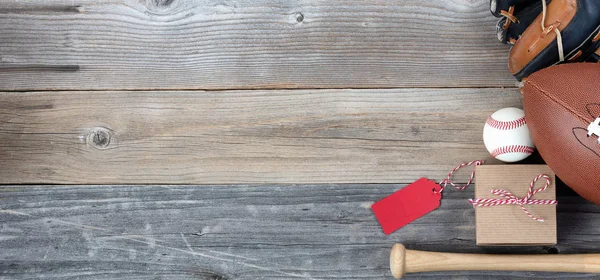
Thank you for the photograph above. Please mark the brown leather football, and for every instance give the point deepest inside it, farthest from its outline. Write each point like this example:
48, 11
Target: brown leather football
562, 109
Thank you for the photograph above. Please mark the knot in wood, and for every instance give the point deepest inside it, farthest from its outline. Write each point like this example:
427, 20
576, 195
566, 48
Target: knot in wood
299, 17
161, 4
99, 138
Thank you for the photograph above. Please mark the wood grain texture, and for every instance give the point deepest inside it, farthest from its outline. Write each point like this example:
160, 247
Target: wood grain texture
244, 232
302, 136
186, 44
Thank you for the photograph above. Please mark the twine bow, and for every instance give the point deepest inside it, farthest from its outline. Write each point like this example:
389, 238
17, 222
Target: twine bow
510, 198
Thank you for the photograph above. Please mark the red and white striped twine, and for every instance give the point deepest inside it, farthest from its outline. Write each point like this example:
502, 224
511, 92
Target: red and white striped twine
512, 199
503, 125
447, 181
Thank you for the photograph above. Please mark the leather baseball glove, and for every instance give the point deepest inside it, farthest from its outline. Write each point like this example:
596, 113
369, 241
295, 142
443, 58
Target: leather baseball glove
545, 33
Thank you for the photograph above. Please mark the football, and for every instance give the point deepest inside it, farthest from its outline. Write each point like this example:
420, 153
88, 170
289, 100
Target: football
562, 108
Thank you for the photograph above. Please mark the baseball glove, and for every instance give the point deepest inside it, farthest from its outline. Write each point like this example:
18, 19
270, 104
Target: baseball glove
544, 34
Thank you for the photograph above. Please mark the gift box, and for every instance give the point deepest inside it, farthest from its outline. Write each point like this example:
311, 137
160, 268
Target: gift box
504, 212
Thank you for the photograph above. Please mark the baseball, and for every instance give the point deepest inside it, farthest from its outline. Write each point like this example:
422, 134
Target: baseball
506, 135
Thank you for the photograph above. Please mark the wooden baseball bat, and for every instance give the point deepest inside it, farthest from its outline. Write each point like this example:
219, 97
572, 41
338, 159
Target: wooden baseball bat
404, 261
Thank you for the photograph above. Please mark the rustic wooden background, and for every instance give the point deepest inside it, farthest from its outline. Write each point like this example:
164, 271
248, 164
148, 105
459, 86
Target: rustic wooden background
244, 139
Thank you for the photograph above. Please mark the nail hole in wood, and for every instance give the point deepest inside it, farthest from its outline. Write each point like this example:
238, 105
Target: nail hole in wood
552, 250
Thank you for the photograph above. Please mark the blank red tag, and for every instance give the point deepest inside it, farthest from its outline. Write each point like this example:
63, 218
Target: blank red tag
407, 204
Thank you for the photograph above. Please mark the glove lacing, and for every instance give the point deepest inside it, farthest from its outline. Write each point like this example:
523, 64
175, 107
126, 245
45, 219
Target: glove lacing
510, 18
545, 30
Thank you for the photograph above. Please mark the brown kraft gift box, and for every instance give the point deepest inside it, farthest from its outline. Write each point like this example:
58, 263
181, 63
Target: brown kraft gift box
509, 224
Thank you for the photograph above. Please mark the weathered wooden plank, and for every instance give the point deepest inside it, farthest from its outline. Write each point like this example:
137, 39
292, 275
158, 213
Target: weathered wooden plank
242, 232
302, 136
186, 44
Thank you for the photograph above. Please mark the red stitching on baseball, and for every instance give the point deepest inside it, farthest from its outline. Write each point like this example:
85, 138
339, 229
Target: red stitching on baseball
506, 125
512, 149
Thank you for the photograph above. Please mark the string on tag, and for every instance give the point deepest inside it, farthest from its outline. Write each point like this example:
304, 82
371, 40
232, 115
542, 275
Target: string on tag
448, 179
510, 198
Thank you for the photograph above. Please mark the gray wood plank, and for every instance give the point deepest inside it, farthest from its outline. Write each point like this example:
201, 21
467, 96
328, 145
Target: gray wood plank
242, 232
186, 44
189, 137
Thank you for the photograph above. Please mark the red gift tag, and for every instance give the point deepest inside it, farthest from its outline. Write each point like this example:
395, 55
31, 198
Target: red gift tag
407, 204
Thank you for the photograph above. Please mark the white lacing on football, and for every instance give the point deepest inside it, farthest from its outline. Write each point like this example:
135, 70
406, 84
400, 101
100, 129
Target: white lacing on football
502, 125
512, 149
594, 129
